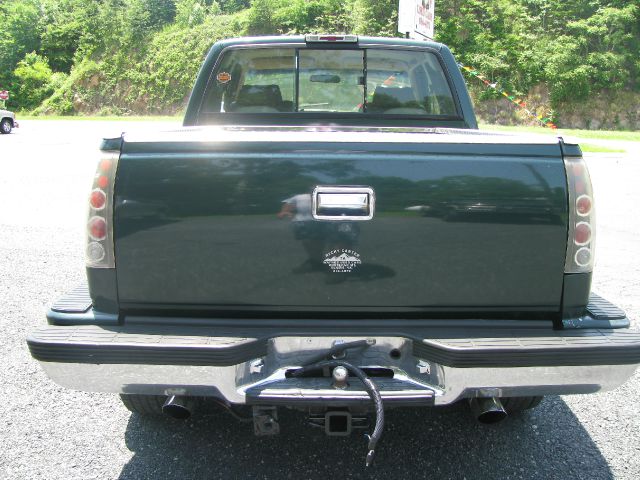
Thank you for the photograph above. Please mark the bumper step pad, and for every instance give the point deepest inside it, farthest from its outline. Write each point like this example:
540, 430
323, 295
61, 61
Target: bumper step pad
76, 301
121, 345
564, 348
602, 309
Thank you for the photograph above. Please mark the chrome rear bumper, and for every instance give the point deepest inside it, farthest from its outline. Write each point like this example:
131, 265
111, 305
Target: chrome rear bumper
411, 371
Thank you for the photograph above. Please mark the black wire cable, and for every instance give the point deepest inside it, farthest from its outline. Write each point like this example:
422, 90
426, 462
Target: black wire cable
371, 389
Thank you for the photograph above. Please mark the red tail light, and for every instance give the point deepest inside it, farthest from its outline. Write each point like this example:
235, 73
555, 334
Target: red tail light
97, 228
99, 251
581, 233
583, 205
103, 181
98, 199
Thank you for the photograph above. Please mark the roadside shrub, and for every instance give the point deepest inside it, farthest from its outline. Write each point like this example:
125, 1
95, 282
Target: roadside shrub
160, 82
20, 30
33, 81
72, 92
155, 78
194, 12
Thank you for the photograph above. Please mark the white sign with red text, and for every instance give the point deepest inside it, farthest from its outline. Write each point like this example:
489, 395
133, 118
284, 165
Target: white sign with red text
4, 95
416, 17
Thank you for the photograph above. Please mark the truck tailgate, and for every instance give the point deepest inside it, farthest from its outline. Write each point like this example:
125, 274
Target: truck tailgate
220, 218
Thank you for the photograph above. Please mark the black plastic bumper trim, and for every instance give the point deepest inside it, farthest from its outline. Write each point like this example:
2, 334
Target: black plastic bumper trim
76, 301
600, 314
97, 345
601, 309
213, 347
565, 348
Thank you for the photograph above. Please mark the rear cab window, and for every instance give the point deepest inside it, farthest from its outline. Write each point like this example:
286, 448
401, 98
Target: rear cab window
355, 81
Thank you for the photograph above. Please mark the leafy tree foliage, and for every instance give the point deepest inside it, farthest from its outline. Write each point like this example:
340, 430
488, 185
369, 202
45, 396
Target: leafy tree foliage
120, 56
575, 47
233, 6
20, 31
194, 12
33, 76
145, 16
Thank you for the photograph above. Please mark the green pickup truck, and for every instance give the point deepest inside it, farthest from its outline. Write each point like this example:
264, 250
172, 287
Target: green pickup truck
331, 232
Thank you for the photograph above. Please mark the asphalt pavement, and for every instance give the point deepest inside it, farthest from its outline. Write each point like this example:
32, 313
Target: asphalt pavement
48, 432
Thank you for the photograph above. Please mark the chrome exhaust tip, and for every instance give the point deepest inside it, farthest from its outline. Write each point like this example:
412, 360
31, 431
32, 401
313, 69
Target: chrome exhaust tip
178, 407
487, 410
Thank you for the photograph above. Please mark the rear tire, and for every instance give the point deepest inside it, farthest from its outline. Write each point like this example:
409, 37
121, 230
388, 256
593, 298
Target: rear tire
148, 405
5, 126
520, 404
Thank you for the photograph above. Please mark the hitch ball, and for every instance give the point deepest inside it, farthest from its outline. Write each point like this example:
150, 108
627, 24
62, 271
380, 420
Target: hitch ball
340, 377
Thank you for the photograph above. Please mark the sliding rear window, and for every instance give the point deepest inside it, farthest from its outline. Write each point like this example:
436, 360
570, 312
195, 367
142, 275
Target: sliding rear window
356, 81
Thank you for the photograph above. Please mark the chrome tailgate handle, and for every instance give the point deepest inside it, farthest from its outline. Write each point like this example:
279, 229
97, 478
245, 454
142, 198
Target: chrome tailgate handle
343, 203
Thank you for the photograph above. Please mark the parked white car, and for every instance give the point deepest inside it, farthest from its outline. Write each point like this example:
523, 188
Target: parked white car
7, 121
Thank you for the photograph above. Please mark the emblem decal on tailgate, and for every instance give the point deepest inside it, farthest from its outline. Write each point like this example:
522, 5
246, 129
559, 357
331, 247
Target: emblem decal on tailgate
342, 260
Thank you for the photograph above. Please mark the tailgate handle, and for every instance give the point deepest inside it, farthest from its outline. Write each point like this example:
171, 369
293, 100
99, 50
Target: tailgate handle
342, 203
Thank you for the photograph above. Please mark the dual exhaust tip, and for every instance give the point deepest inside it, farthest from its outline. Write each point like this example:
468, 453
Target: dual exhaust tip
178, 407
487, 409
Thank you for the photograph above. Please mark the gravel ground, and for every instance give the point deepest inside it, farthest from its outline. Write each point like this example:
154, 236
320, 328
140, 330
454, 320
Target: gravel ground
52, 433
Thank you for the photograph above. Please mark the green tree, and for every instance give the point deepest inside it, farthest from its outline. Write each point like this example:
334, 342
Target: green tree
260, 19
374, 17
65, 24
145, 16
20, 31
233, 6
33, 79
194, 12
595, 53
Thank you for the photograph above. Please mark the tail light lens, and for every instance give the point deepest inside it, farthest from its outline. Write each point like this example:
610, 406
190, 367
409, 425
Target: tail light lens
98, 199
99, 251
582, 227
